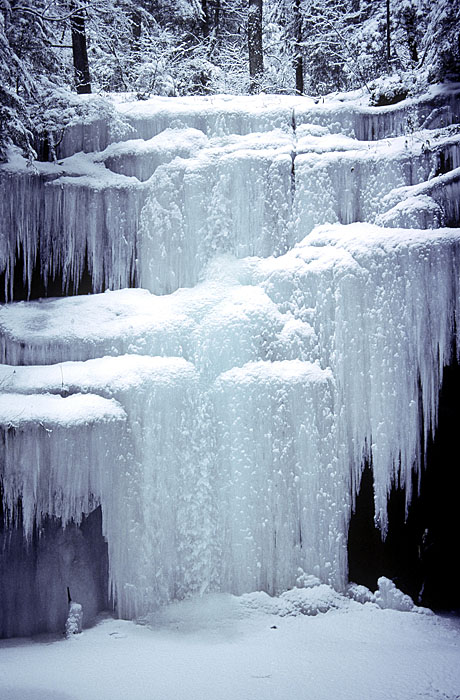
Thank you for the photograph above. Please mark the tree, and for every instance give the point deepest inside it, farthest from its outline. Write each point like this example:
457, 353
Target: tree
441, 50
26, 54
298, 58
256, 59
388, 31
79, 49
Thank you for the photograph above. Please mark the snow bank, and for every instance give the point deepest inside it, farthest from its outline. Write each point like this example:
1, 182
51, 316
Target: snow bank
16, 411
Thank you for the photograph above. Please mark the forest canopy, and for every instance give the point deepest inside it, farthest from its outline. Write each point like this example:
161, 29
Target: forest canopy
52, 49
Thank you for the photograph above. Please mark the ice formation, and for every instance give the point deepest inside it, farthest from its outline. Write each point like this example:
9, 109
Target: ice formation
74, 622
221, 416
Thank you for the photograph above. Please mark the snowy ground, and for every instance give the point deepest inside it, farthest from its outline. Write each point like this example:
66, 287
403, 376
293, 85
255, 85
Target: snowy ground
222, 648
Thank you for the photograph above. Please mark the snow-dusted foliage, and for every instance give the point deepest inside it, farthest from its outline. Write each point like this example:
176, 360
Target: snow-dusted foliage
186, 47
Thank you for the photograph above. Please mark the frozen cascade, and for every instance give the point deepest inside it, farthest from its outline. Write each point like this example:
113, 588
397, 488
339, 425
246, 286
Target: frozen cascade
383, 307
220, 115
274, 425
235, 475
228, 200
355, 185
223, 426
145, 472
68, 221
193, 160
203, 206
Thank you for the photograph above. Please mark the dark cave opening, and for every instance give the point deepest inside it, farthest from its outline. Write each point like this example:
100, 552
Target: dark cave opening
54, 286
34, 575
418, 554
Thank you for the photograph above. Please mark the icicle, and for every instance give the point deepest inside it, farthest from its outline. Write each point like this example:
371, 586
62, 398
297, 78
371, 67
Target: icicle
56, 451
382, 305
71, 221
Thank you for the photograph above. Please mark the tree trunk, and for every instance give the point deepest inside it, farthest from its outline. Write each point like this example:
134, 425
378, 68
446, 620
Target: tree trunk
388, 33
298, 59
136, 29
205, 18
256, 58
217, 9
79, 50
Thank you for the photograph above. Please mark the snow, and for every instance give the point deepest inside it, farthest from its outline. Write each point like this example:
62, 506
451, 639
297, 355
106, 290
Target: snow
109, 375
218, 647
440, 193
140, 158
16, 411
388, 596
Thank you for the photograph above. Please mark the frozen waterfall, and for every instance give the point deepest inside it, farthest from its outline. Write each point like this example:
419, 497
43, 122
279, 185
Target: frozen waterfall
298, 299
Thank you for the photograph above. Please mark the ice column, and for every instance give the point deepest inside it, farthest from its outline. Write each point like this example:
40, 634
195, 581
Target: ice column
282, 504
222, 202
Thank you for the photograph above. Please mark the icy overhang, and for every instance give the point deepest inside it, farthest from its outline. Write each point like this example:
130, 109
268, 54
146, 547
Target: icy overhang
20, 411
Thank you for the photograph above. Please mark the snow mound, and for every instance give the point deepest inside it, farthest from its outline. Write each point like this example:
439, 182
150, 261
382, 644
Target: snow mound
319, 598
74, 622
297, 601
387, 597
360, 593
